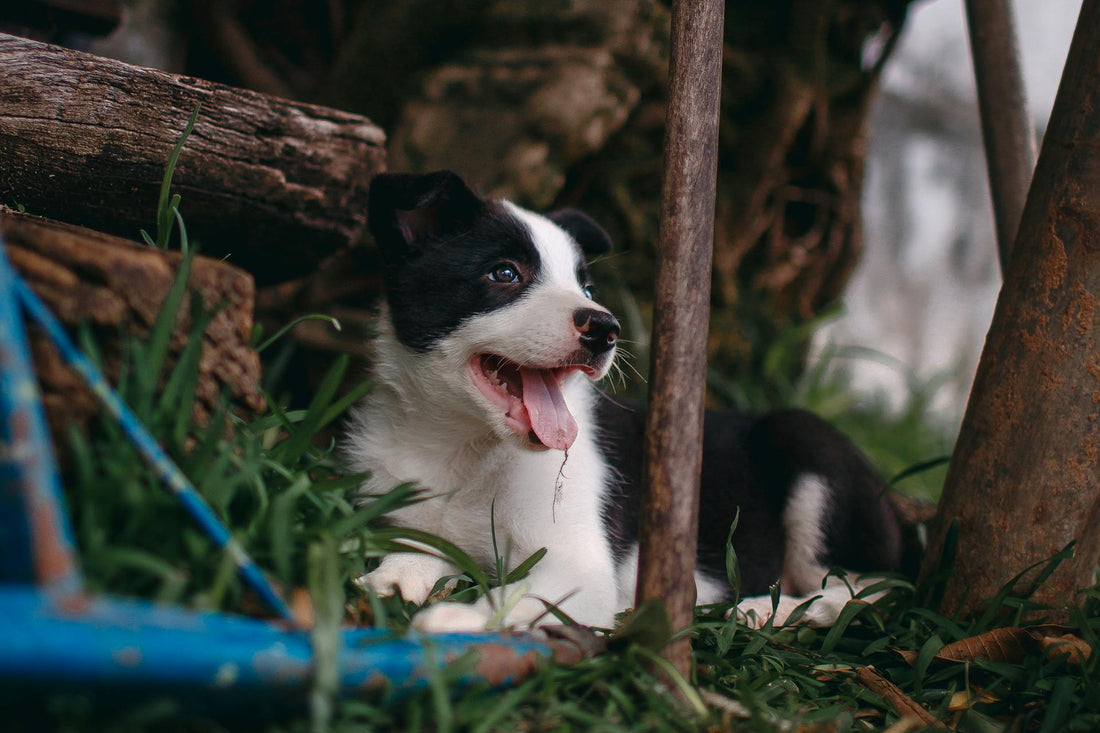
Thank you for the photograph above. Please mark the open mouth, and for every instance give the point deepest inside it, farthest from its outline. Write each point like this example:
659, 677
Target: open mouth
531, 399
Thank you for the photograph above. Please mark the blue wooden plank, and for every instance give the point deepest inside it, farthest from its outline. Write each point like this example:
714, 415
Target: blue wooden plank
50, 642
36, 541
166, 469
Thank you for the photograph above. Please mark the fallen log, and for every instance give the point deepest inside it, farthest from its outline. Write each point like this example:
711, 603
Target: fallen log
118, 287
274, 185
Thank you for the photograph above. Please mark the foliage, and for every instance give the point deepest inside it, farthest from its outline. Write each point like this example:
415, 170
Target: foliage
280, 491
276, 483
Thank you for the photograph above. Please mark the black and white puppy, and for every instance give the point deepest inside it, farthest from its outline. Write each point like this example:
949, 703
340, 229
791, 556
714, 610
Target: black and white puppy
489, 346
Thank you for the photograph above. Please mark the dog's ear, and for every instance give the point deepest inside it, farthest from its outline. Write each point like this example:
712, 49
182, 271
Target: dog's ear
406, 209
584, 229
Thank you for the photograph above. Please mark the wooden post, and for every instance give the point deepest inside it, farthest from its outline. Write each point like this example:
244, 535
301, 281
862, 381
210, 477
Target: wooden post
1006, 127
674, 429
1023, 481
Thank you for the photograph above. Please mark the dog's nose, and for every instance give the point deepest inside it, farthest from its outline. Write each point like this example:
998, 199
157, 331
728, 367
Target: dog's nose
598, 329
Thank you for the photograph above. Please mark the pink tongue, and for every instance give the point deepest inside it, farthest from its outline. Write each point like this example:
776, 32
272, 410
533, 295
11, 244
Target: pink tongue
550, 418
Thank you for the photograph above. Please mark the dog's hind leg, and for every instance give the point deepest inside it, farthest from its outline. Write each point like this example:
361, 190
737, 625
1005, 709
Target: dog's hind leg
807, 518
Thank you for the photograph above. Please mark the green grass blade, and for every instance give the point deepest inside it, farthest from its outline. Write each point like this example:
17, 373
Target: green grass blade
164, 216
300, 437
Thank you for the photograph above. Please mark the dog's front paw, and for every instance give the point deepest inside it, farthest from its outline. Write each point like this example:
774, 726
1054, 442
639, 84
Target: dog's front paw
411, 575
754, 612
823, 610
383, 582
452, 618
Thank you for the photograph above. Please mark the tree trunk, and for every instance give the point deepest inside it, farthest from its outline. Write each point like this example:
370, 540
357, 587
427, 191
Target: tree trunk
272, 184
1023, 481
118, 286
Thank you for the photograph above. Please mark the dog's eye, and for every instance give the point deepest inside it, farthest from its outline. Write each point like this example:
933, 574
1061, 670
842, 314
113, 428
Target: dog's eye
504, 274
588, 293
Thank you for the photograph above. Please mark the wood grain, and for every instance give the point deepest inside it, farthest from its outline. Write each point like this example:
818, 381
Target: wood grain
674, 430
274, 185
118, 286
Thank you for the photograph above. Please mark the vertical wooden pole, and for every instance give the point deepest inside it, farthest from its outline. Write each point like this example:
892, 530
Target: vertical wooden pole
1023, 481
674, 432
1006, 127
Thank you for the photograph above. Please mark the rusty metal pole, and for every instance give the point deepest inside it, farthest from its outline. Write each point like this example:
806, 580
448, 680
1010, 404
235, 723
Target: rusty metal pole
1023, 481
674, 426
1006, 127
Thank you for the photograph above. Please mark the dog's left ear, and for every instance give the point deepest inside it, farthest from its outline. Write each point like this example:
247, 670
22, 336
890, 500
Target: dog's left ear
583, 228
405, 210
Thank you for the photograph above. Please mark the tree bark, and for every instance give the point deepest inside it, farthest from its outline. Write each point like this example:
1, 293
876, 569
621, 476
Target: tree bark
1006, 127
1023, 480
674, 423
118, 286
272, 184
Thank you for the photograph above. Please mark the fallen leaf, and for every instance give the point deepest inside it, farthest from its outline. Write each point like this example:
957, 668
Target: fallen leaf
965, 699
1012, 645
301, 608
1075, 649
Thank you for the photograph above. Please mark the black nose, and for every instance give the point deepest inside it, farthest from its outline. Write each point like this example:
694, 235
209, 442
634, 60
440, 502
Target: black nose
598, 329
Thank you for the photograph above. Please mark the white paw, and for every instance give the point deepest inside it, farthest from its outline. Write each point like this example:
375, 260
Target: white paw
754, 612
382, 582
410, 574
827, 604
452, 618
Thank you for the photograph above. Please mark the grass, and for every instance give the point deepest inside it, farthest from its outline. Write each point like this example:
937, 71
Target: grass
283, 496
286, 501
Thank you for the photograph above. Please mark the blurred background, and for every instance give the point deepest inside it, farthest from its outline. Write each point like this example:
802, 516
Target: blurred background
855, 269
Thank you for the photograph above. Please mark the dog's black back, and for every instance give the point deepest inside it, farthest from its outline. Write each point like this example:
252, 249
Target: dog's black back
750, 462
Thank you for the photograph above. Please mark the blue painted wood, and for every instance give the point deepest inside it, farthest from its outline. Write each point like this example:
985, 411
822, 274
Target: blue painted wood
36, 540
46, 641
166, 469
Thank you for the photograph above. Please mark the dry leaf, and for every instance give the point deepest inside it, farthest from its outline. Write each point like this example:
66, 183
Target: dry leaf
1011, 645
301, 608
964, 700
999, 645
1075, 649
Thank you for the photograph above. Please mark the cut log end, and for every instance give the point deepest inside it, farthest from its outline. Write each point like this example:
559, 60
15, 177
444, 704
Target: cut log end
117, 287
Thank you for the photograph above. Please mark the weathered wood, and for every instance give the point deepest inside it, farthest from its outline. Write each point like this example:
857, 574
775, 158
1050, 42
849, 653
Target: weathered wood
115, 286
1006, 126
674, 427
1023, 480
275, 185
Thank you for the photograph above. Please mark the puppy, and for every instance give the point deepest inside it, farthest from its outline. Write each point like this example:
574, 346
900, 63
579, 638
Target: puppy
489, 347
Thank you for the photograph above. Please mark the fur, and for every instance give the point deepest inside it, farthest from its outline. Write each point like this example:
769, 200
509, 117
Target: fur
468, 276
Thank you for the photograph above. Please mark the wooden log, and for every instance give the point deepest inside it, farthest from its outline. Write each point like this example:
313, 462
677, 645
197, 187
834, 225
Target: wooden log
118, 286
1023, 481
272, 184
674, 422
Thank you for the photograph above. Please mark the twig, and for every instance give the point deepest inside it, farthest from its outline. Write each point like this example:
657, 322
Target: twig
904, 705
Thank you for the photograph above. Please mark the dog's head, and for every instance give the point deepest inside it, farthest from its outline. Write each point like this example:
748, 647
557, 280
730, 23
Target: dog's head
491, 302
